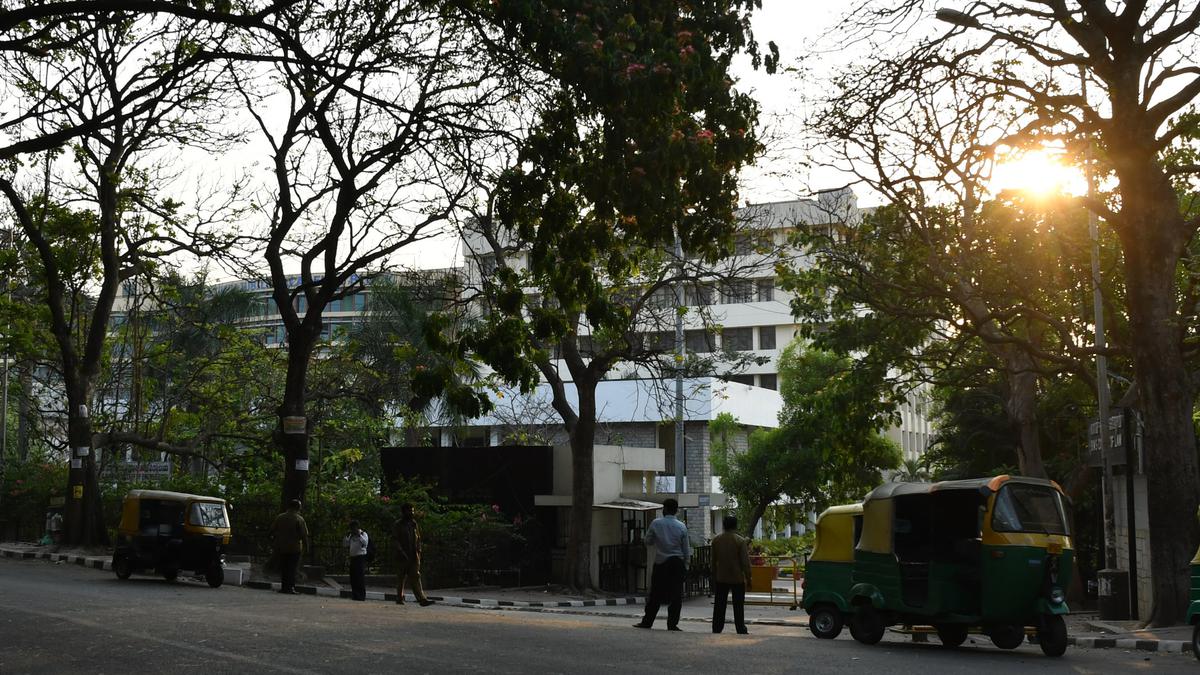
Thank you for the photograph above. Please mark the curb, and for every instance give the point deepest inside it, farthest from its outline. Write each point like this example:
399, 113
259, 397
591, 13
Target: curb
95, 562
1141, 645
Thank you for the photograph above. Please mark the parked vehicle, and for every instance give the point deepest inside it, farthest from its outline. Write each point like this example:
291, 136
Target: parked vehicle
827, 576
1193, 615
168, 532
990, 554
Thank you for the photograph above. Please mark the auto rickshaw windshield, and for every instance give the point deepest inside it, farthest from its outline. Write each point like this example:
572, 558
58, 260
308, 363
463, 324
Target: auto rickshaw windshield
208, 514
1029, 508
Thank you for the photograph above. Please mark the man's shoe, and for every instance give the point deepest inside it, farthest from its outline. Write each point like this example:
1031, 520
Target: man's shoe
399, 601
674, 628
294, 592
426, 602
641, 625
743, 632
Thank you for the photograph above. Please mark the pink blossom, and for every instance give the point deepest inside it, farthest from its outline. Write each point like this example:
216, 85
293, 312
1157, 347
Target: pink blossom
633, 69
705, 136
386, 498
495, 508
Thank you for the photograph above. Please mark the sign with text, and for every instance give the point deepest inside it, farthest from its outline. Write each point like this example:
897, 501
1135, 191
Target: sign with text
1121, 426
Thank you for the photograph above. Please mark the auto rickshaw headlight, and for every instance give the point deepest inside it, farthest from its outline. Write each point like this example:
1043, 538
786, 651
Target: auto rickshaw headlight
1057, 596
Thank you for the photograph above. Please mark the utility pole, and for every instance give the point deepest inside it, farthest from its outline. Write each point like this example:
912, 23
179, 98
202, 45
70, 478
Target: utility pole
680, 354
1102, 394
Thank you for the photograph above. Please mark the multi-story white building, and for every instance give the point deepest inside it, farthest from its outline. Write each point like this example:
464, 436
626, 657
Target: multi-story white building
748, 313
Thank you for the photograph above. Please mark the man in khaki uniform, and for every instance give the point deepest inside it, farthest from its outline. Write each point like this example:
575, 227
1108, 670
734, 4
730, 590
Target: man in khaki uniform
731, 572
291, 538
407, 536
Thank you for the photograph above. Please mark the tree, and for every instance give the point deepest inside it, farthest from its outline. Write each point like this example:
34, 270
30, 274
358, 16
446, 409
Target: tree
377, 101
95, 68
918, 288
827, 448
1112, 84
638, 136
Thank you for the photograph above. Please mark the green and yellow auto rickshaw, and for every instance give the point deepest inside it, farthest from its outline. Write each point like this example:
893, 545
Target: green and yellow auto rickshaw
168, 532
827, 575
1193, 614
991, 555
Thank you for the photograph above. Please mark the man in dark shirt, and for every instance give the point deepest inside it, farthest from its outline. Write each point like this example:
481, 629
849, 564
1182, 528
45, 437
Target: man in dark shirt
407, 536
291, 538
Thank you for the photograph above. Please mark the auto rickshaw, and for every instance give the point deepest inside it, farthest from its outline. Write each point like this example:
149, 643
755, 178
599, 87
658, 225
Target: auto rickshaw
1193, 615
827, 576
991, 554
167, 532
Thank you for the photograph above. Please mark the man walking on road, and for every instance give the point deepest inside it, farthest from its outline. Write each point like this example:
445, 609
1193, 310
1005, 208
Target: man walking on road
672, 550
407, 536
731, 573
291, 538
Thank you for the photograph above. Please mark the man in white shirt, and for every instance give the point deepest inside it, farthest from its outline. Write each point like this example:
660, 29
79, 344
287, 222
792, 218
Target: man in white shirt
357, 542
672, 551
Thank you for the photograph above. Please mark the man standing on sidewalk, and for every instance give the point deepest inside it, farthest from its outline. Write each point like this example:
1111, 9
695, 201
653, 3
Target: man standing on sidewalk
357, 544
731, 574
407, 536
672, 550
291, 538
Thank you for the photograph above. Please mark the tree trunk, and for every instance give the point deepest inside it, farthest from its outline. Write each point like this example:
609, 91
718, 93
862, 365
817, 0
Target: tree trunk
583, 450
757, 512
24, 408
1021, 410
1169, 442
84, 521
293, 437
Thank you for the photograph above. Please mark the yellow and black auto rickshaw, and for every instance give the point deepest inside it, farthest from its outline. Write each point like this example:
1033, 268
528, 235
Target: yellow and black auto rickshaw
828, 573
991, 555
169, 532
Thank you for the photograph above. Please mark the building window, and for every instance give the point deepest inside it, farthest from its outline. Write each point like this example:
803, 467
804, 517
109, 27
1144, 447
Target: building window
740, 379
766, 337
738, 339
697, 295
698, 341
769, 381
766, 290
737, 292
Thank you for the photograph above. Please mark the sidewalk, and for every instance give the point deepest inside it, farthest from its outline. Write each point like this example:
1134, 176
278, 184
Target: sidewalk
1085, 628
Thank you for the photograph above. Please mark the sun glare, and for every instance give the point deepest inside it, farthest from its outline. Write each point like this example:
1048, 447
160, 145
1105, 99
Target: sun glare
1040, 173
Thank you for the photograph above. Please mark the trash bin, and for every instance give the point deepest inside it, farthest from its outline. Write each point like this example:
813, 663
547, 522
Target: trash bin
1113, 594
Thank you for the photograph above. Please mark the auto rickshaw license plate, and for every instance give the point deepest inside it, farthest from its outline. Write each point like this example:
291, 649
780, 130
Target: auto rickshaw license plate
1054, 547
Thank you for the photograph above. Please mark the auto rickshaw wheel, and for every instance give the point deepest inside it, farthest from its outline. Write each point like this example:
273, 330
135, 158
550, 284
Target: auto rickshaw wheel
215, 575
1052, 635
122, 567
952, 634
825, 622
170, 574
866, 625
1196, 640
1007, 637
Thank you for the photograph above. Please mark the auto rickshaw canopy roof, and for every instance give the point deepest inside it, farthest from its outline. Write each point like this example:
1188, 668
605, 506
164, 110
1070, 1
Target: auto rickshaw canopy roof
835, 534
169, 496
879, 508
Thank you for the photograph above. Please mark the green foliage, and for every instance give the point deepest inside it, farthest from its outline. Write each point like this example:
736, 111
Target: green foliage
26, 490
827, 449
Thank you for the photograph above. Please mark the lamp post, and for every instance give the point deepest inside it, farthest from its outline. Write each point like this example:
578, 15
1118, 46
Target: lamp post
964, 20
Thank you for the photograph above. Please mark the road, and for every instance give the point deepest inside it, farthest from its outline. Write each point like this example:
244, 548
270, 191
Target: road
68, 619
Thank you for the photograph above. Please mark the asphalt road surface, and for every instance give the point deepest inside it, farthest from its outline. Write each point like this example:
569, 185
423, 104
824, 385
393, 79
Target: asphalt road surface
69, 619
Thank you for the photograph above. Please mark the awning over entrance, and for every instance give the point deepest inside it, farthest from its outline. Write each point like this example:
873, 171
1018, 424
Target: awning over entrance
629, 505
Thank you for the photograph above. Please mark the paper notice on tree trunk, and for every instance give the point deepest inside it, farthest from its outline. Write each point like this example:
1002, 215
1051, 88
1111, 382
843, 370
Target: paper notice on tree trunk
302, 465
295, 425
77, 464
82, 451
